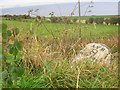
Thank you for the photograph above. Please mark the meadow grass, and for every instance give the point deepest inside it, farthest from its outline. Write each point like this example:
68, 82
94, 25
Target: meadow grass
47, 63
59, 74
72, 29
88, 17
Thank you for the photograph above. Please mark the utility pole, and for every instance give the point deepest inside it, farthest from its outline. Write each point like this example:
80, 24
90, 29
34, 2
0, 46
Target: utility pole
79, 19
79, 7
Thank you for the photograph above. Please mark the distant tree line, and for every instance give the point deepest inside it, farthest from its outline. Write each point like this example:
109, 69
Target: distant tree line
16, 17
54, 19
60, 19
107, 21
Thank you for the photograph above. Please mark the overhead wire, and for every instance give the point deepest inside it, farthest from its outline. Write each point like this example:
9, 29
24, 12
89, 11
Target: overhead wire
75, 8
88, 7
61, 15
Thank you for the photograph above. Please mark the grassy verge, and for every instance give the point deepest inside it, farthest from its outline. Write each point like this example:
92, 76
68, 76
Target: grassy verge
61, 75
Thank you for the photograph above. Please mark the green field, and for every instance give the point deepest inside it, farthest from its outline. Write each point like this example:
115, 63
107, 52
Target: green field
47, 59
87, 17
46, 29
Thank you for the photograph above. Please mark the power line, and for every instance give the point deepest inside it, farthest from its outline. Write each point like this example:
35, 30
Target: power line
74, 9
89, 6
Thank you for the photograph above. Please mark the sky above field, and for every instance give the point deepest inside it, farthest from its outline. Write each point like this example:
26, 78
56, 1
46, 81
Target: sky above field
21, 3
60, 7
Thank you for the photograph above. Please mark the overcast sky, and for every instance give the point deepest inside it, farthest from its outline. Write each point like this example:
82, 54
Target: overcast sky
21, 3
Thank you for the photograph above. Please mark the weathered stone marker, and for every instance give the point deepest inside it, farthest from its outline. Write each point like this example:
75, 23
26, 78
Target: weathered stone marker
94, 51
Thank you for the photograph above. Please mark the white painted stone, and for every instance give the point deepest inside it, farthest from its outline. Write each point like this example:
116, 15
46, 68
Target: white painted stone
94, 51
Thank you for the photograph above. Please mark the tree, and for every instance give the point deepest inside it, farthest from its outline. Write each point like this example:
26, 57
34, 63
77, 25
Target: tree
107, 21
59, 19
91, 20
75, 19
99, 20
114, 20
87, 21
119, 20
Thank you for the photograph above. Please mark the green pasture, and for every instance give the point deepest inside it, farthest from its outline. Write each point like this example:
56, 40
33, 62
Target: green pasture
87, 17
58, 29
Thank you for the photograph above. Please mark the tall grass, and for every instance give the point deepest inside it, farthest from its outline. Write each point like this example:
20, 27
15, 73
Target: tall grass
48, 65
47, 60
59, 74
